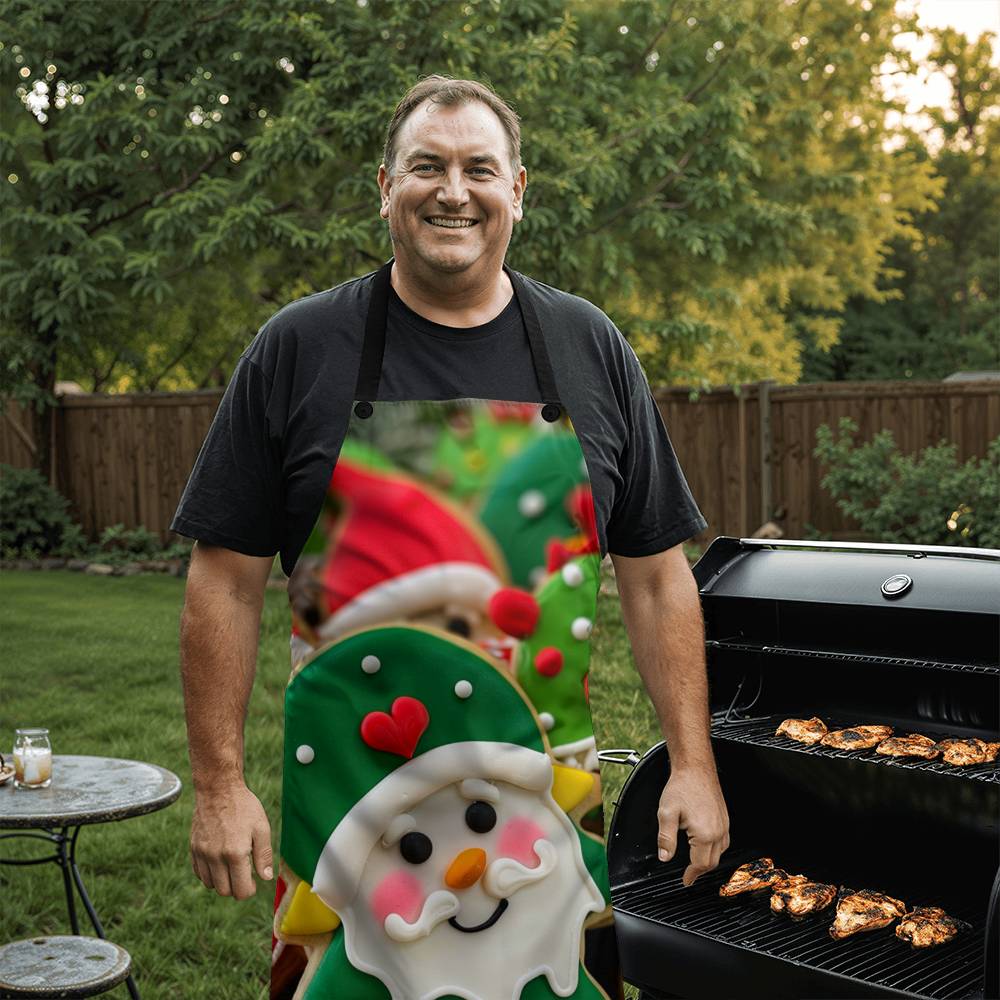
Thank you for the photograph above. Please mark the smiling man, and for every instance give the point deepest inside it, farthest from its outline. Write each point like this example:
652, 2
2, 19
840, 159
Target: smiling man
446, 319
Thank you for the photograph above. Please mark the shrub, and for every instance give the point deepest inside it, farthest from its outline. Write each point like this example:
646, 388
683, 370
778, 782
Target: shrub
923, 499
33, 516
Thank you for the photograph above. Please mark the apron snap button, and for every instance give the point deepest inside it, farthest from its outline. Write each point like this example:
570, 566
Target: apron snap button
551, 413
364, 409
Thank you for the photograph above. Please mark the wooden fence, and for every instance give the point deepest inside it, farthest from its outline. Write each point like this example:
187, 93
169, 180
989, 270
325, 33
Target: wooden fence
747, 453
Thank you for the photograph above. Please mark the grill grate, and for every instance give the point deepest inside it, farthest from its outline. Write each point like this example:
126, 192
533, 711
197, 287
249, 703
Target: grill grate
989, 669
950, 972
759, 731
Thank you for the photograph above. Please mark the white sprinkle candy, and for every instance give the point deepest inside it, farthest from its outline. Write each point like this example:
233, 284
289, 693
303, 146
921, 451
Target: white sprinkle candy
572, 574
581, 628
536, 576
371, 664
305, 754
547, 720
531, 503
463, 689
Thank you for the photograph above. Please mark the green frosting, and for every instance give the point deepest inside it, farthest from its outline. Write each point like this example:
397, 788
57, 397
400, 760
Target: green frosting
550, 468
562, 696
328, 698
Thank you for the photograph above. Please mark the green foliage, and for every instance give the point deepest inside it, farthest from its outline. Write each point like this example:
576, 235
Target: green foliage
705, 172
33, 516
943, 315
926, 499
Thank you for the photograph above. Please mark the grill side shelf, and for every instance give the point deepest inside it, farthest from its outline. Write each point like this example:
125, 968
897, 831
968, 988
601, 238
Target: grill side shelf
989, 669
759, 731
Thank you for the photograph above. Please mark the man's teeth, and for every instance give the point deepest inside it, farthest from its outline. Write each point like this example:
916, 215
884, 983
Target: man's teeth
453, 223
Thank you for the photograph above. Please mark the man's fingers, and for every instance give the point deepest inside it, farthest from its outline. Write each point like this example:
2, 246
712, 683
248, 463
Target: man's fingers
220, 877
201, 871
263, 860
241, 877
666, 837
701, 862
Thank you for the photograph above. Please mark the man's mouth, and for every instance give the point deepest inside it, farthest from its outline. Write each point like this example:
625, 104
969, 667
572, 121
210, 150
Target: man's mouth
450, 223
486, 924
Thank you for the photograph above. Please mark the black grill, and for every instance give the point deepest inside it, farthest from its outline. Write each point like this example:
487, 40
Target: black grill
796, 630
877, 956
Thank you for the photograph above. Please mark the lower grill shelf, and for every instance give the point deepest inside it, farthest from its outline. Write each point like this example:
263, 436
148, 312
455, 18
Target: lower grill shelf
877, 958
759, 731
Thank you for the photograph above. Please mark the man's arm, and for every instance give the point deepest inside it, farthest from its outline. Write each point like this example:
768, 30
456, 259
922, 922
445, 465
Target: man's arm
662, 615
219, 633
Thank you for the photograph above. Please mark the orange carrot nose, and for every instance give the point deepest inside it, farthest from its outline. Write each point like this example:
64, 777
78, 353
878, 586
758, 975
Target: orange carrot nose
466, 868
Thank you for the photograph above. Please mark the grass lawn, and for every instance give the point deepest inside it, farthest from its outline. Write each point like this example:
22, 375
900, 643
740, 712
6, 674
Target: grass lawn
95, 660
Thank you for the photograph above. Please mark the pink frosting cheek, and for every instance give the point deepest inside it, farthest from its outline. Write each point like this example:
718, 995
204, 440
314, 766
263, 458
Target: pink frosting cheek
399, 893
517, 840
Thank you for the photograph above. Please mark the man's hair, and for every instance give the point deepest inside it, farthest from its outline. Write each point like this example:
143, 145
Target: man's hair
446, 91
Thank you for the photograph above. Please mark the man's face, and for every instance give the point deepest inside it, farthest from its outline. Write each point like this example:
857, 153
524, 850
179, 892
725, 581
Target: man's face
452, 165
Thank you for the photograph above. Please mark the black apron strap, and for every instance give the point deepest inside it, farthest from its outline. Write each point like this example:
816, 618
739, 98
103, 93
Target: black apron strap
373, 349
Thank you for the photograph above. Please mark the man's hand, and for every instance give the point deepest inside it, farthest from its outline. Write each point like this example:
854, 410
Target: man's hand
692, 801
229, 827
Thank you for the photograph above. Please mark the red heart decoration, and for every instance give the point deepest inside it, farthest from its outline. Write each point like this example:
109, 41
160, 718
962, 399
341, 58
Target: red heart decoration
400, 732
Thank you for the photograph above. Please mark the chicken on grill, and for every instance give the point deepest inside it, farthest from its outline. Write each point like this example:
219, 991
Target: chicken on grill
804, 730
757, 875
801, 899
963, 752
857, 737
913, 745
927, 926
864, 911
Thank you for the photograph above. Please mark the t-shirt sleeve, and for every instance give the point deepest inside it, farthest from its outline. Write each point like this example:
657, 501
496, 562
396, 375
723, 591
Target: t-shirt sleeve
233, 496
654, 509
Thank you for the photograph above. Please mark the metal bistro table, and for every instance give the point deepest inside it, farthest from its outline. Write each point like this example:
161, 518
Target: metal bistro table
84, 790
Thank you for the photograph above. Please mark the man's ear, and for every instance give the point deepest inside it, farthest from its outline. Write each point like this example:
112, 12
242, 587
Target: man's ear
519, 185
384, 183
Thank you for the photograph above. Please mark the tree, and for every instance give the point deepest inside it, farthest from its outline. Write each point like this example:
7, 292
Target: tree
706, 175
944, 316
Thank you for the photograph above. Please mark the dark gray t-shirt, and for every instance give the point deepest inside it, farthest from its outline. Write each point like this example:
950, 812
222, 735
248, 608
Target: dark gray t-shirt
259, 480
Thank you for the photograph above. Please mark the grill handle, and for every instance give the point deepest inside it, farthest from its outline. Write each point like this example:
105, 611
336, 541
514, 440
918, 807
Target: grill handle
630, 757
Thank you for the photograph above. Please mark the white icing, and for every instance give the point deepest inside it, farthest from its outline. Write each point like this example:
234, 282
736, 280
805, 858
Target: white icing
438, 906
343, 858
464, 688
371, 664
547, 719
504, 877
531, 503
581, 628
305, 754
397, 829
572, 574
410, 594
576, 747
538, 933
536, 575
477, 790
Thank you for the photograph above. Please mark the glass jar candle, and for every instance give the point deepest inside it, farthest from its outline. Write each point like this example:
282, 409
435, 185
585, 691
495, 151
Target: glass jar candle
32, 759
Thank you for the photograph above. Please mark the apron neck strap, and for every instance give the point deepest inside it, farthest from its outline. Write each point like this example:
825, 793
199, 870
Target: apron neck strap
373, 350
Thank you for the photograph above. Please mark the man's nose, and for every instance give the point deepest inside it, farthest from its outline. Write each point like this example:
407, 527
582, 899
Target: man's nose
453, 189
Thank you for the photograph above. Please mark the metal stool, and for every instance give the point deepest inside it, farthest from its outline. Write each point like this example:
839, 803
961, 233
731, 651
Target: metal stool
61, 966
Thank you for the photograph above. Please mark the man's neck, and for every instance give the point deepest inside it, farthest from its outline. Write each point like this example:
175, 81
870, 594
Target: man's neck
456, 302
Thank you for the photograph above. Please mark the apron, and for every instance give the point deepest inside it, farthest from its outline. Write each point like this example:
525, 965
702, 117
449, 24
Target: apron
441, 810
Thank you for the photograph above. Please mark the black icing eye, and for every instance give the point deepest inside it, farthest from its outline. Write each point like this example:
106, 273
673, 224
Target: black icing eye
480, 817
459, 626
415, 847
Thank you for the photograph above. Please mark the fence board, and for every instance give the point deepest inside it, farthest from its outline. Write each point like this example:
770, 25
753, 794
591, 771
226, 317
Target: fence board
125, 459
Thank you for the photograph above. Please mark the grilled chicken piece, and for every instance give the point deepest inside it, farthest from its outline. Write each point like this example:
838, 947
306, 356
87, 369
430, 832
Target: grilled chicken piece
913, 745
857, 737
802, 898
927, 926
756, 875
972, 751
804, 730
864, 911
